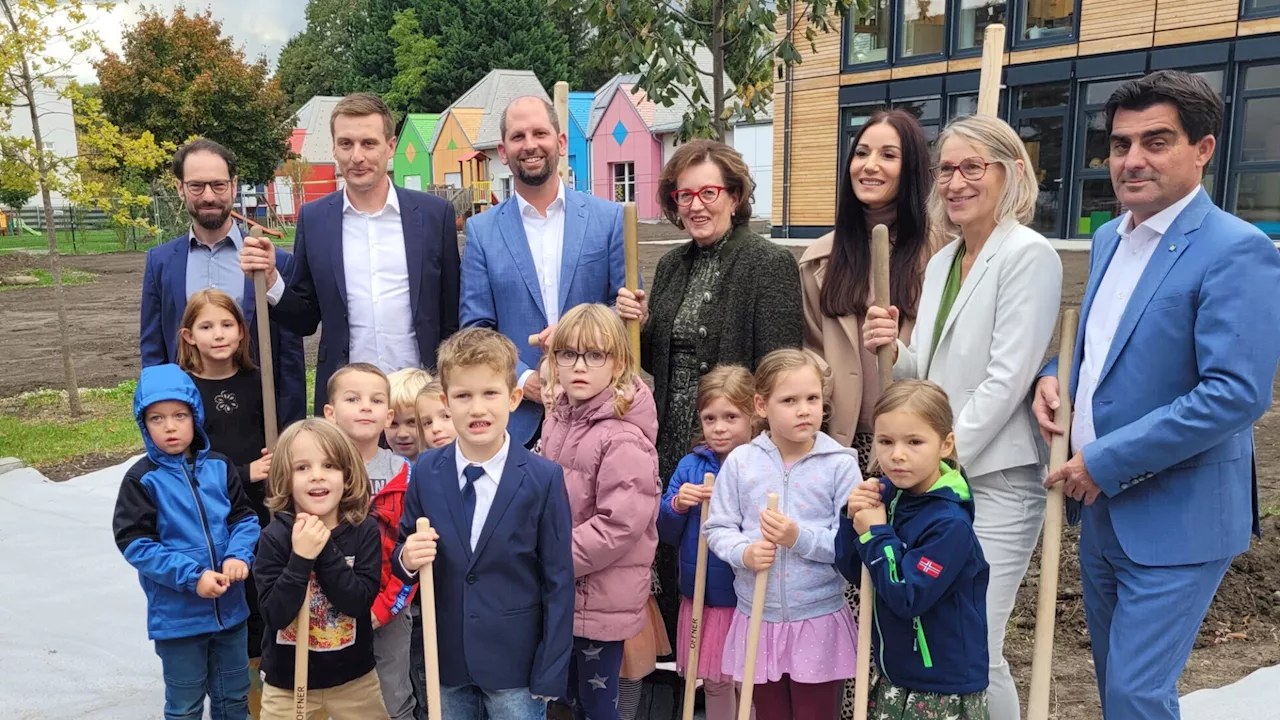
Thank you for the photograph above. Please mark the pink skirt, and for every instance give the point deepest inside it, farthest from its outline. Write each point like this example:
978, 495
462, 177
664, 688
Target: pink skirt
715, 630
816, 650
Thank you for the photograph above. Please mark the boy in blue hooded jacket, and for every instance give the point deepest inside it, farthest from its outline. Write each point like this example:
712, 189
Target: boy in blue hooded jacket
182, 519
914, 532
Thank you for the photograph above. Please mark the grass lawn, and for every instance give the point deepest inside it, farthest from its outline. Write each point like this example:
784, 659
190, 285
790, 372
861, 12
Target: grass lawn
89, 242
37, 429
69, 277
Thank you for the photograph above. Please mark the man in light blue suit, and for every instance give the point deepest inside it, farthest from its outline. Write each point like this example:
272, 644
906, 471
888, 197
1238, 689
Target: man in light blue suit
1175, 356
539, 253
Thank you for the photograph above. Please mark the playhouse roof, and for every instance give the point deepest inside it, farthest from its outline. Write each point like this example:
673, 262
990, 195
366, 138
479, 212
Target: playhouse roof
580, 107
423, 123
313, 117
486, 100
600, 100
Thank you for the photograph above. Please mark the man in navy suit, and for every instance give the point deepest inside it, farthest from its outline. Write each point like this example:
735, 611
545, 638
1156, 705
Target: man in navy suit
500, 545
1175, 356
207, 257
377, 265
539, 253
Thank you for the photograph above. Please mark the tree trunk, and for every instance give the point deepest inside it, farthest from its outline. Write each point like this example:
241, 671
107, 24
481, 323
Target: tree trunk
717, 68
55, 264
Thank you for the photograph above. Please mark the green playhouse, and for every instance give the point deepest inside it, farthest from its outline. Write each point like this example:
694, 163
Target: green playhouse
412, 164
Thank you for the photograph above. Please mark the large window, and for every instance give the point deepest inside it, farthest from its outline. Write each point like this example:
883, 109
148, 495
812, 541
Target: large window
973, 19
927, 110
1047, 19
624, 182
1040, 117
852, 118
1256, 196
924, 24
1261, 8
867, 34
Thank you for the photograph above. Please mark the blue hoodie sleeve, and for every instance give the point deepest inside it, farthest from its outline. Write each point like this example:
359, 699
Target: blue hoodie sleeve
137, 536
242, 523
671, 524
724, 533
817, 541
911, 580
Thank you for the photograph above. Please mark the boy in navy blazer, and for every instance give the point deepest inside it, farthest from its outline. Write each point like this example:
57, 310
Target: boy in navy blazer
500, 544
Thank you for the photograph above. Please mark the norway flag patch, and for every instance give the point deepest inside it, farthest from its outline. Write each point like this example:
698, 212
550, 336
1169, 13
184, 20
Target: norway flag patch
929, 567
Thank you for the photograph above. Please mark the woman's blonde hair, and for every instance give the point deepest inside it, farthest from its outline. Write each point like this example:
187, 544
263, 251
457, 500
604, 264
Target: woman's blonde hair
338, 448
1001, 142
596, 327
732, 383
924, 399
769, 372
188, 353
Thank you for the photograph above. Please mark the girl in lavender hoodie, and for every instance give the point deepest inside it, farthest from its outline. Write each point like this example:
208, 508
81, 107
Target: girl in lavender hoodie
807, 641
601, 429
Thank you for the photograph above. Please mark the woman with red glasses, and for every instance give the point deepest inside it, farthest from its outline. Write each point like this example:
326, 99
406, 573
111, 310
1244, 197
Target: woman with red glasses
727, 297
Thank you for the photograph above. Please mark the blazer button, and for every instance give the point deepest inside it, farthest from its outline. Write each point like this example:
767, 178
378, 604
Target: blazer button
702, 332
706, 297
471, 579
704, 368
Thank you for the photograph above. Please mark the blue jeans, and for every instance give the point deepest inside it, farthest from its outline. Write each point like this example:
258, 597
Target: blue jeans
593, 679
213, 664
470, 702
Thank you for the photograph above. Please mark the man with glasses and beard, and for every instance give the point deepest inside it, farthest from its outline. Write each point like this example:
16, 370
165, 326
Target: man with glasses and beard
207, 257
539, 253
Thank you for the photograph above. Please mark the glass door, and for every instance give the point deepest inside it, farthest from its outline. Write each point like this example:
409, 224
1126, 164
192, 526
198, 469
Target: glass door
1039, 115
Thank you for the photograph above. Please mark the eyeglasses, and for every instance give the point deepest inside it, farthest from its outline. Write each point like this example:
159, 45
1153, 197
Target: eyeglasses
971, 168
569, 358
195, 187
707, 194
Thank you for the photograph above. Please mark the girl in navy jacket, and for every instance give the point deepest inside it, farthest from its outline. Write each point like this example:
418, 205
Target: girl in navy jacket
914, 531
724, 404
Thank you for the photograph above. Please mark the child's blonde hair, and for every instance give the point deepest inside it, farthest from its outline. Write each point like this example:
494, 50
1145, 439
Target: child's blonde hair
406, 384
189, 354
477, 346
596, 327
924, 399
434, 390
338, 448
733, 383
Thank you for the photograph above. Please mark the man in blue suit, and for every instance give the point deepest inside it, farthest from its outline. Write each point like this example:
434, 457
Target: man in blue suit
207, 257
376, 264
1175, 357
538, 254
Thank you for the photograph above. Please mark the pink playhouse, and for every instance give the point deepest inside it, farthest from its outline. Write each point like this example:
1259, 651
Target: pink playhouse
626, 155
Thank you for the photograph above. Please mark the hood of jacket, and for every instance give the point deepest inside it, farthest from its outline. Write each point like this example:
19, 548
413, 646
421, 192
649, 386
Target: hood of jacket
951, 487
643, 412
159, 383
823, 444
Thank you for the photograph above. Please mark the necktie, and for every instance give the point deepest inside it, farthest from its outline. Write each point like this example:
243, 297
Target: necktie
472, 473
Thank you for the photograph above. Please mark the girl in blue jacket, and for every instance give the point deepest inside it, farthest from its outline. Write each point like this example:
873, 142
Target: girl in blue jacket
724, 405
914, 531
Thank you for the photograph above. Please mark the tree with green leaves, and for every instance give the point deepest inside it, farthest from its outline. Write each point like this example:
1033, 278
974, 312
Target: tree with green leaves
417, 59
31, 76
658, 40
178, 77
345, 48
594, 60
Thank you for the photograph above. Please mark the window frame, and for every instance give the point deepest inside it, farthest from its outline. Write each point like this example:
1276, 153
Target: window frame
1235, 166
954, 51
1017, 14
1248, 11
846, 34
628, 180
898, 8
1015, 115
1080, 171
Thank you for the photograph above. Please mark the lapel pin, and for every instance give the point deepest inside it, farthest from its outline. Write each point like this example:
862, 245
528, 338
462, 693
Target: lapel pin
1172, 248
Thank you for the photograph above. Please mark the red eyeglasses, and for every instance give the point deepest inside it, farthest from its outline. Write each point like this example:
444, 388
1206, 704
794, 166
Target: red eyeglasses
707, 194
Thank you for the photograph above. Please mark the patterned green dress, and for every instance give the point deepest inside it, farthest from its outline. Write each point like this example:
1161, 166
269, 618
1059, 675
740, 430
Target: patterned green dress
890, 702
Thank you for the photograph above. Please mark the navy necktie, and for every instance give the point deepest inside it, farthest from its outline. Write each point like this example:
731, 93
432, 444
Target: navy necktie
472, 473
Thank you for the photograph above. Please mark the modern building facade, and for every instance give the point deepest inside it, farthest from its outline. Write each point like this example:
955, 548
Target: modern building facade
1063, 58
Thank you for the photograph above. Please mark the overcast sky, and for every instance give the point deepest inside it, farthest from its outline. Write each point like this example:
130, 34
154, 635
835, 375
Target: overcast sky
260, 27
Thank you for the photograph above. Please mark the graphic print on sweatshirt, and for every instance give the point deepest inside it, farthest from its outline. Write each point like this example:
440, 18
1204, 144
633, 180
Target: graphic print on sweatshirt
226, 402
330, 629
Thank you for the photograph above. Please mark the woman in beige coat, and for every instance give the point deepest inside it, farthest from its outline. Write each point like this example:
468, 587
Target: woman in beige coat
887, 183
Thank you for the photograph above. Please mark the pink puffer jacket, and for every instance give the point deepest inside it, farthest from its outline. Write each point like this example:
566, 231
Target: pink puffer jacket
611, 471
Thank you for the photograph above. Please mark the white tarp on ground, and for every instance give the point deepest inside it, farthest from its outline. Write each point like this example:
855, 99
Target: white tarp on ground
74, 640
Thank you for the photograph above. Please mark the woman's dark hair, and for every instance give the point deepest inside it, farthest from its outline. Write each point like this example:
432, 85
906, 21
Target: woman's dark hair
848, 282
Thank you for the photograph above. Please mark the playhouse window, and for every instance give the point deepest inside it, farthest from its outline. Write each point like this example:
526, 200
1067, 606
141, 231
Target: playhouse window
624, 182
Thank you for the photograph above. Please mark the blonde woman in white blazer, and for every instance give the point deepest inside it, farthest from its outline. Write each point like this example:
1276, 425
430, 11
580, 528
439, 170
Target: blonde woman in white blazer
1004, 283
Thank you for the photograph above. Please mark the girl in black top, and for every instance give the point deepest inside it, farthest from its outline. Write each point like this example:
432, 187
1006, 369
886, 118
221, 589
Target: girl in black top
323, 539
215, 352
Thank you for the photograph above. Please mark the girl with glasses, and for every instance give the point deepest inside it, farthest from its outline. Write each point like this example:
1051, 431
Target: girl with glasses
986, 315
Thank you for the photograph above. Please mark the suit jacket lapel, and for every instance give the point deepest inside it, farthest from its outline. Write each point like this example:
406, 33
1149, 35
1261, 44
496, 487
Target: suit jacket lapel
414, 245
512, 476
331, 224
446, 468
976, 274
575, 227
512, 229
1170, 248
175, 295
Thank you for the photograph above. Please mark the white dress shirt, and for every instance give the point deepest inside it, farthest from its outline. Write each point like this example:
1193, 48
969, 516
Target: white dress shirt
379, 313
545, 234
1123, 273
486, 486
